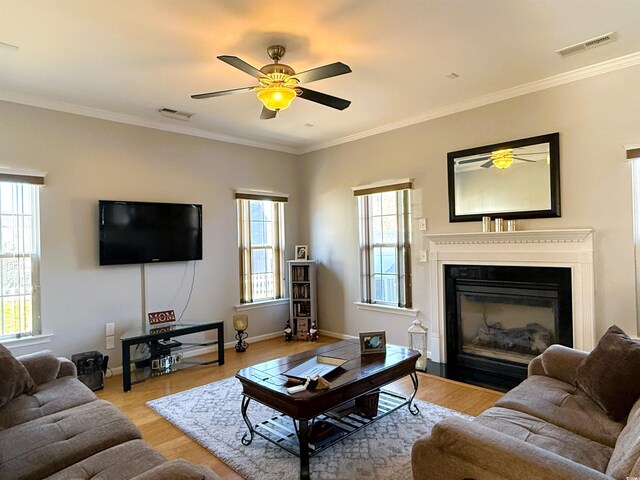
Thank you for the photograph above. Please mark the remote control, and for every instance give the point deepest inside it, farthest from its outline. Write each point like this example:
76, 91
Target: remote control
296, 389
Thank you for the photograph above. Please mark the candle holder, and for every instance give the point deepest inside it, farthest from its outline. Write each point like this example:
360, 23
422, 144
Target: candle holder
240, 324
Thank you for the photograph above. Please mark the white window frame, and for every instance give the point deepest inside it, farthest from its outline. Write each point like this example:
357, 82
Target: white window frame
633, 155
402, 188
32, 183
246, 249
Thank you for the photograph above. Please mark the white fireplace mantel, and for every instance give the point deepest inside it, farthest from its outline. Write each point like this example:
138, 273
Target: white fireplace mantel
571, 248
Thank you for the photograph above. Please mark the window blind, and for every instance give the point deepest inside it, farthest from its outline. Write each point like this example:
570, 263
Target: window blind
257, 195
380, 187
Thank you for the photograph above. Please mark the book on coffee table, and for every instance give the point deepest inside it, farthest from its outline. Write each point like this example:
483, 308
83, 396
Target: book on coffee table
318, 366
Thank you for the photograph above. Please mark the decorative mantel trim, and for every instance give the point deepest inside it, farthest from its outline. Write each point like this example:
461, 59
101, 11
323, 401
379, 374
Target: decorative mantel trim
571, 248
523, 236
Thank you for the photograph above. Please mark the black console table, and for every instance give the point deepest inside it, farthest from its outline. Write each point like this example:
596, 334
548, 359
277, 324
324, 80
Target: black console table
148, 334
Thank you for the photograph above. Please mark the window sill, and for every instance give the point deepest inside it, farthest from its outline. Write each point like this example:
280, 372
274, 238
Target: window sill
264, 304
408, 312
27, 341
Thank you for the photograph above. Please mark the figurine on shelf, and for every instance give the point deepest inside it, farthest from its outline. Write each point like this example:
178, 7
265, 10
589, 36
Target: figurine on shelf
313, 332
288, 332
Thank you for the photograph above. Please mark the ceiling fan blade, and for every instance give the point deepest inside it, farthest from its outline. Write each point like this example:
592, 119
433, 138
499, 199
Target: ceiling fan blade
475, 160
324, 99
524, 159
266, 114
241, 65
222, 92
487, 164
326, 71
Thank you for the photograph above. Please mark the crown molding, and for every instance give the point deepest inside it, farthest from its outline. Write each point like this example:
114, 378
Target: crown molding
521, 236
531, 87
66, 107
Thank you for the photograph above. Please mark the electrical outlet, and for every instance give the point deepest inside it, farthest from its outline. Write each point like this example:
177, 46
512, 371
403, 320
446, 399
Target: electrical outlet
110, 329
111, 343
422, 224
423, 256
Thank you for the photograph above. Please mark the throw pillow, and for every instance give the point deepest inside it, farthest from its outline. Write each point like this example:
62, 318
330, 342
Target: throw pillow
609, 374
42, 366
14, 378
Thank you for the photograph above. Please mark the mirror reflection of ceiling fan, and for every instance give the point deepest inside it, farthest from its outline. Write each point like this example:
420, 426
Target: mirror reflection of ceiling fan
503, 158
279, 83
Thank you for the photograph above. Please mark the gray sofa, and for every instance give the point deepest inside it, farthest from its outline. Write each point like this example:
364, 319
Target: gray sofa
63, 431
544, 429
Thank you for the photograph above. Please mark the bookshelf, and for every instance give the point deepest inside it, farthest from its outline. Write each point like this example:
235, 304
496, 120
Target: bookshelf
302, 293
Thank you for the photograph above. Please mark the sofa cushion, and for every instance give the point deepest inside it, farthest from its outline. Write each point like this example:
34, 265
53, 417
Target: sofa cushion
626, 455
545, 435
14, 378
609, 374
563, 405
51, 397
46, 445
121, 462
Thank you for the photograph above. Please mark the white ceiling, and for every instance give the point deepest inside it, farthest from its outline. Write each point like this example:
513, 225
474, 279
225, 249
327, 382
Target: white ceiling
125, 59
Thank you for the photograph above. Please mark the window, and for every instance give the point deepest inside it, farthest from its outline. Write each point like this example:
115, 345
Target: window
19, 256
385, 243
261, 246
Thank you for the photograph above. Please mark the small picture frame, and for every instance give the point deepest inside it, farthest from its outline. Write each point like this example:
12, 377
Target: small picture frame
373, 342
302, 252
157, 318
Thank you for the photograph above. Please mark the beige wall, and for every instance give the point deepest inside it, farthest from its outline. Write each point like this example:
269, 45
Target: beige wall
595, 118
88, 160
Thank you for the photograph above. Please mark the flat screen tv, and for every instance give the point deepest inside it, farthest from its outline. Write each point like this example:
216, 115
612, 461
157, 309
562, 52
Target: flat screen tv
144, 232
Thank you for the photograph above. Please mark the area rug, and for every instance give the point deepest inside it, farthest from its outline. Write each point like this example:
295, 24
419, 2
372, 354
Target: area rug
210, 414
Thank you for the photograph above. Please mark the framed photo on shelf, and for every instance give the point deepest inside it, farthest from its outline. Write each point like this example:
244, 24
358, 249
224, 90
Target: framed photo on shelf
373, 342
302, 252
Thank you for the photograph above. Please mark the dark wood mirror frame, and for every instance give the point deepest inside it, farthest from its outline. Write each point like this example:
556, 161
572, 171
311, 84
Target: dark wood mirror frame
554, 175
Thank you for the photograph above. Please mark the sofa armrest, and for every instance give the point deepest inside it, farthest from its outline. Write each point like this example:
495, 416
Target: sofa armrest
43, 366
557, 361
67, 368
479, 452
178, 470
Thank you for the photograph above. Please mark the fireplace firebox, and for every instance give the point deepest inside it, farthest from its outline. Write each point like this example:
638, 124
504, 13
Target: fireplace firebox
498, 318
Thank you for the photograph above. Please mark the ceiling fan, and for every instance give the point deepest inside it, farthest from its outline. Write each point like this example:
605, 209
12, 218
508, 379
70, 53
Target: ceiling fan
278, 83
501, 158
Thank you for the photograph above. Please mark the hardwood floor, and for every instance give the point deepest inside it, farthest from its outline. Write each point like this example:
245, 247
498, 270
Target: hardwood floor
172, 443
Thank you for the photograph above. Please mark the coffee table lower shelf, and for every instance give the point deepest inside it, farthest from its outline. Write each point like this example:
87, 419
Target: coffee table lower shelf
282, 430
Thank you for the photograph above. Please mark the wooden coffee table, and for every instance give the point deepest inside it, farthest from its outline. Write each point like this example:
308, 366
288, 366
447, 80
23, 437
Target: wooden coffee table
361, 375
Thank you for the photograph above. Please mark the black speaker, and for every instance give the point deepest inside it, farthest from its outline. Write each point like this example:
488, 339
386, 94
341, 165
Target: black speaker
91, 367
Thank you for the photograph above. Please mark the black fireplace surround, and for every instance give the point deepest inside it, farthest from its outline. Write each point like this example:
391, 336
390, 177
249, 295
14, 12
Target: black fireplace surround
500, 317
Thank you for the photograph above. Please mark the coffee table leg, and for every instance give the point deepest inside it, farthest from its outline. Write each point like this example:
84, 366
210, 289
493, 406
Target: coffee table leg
245, 405
413, 409
303, 440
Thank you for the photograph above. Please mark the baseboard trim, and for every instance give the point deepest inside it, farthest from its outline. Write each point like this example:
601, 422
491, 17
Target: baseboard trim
341, 336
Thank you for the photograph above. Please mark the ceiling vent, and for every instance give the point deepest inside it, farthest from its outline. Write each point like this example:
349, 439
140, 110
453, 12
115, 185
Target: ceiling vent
175, 114
592, 42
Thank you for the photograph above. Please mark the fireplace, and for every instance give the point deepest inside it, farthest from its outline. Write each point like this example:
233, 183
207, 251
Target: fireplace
500, 317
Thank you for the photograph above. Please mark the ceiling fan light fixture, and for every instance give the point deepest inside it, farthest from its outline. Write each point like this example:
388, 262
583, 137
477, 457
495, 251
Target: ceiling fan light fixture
502, 158
276, 97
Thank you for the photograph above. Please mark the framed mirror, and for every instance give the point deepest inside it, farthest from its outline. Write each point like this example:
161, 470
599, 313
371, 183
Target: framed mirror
511, 180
